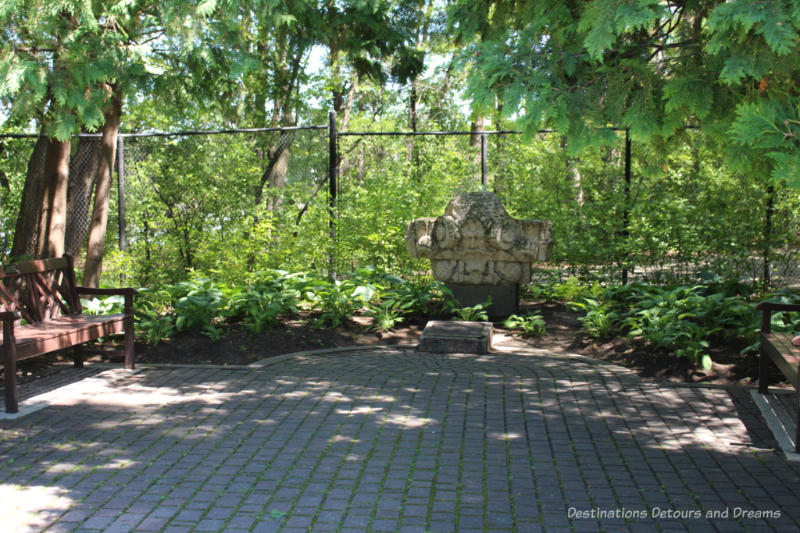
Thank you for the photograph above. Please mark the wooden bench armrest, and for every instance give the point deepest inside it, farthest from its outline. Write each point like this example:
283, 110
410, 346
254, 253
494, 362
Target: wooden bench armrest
775, 306
125, 291
9, 316
767, 308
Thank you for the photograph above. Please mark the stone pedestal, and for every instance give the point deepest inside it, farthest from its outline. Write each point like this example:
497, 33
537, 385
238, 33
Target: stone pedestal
478, 250
453, 336
505, 298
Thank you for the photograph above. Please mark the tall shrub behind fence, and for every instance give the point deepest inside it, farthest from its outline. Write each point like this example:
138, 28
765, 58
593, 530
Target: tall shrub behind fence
203, 202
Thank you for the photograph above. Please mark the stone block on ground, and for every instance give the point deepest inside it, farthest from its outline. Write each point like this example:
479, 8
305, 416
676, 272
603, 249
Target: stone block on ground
453, 336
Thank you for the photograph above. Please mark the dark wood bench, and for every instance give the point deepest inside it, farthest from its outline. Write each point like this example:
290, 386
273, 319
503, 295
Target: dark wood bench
45, 295
778, 348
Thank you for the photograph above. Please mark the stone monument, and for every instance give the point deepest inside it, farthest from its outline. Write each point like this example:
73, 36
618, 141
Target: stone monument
479, 251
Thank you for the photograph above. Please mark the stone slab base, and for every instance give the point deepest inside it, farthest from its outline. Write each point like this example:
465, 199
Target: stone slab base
505, 298
452, 336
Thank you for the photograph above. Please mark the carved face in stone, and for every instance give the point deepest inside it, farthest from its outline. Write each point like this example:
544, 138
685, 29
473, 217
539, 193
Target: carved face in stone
506, 235
472, 235
446, 232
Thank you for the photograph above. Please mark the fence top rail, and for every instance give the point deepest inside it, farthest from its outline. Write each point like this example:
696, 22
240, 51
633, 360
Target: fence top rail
487, 132
292, 128
223, 132
261, 130
173, 134
414, 133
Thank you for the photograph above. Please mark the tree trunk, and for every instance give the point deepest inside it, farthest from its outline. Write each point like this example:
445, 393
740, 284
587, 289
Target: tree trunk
412, 147
476, 129
30, 213
274, 177
498, 156
54, 204
343, 113
82, 172
97, 232
574, 175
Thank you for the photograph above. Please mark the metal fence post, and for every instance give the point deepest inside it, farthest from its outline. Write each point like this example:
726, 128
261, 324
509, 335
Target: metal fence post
768, 234
333, 175
483, 161
123, 243
627, 209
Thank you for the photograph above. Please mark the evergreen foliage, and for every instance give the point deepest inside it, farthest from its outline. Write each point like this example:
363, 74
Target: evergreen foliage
58, 59
654, 67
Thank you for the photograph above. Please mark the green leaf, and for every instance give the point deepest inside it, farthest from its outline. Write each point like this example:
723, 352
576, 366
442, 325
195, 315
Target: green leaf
206, 7
737, 67
777, 29
364, 292
597, 22
63, 127
707, 362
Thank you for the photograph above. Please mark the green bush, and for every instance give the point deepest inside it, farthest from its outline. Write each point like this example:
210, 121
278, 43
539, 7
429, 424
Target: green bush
682, 319
339, 300
474, 313
599, 320
386, 314
531, 325
198, 302
259, 305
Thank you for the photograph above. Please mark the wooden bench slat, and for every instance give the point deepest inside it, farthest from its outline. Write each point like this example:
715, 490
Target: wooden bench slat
64, 332
778, 348
783, 353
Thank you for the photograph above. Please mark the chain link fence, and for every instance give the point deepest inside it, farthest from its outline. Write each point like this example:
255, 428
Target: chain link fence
233, 202
223, 202
23, 155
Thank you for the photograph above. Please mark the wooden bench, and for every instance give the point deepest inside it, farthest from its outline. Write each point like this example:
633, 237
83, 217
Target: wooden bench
45, 295
778, 348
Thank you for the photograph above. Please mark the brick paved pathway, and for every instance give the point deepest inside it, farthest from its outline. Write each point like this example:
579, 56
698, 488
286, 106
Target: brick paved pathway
395, 440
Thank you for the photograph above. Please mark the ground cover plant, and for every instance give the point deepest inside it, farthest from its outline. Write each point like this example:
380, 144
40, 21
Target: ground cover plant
706, 331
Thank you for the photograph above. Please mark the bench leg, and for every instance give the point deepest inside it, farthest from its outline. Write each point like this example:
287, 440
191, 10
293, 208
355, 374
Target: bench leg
763, 371
129, 353
77, 356
797, 422
10, 369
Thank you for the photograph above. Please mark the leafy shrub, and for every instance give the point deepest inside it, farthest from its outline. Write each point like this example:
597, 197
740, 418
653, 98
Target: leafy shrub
260, 305
339, 300
599, 320
679, 318
197, 303
559, 291
414, 297
103, 306
475, 313
532, 325
386, 315
396, 297
153, 326
572, 289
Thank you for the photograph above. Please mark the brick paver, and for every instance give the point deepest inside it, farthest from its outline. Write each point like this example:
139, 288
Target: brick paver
396, 440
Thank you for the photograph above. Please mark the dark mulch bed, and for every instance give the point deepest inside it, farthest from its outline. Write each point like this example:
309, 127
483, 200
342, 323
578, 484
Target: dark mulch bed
240, 346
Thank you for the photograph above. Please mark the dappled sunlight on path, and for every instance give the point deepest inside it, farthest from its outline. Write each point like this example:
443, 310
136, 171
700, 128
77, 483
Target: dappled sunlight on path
390, 438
